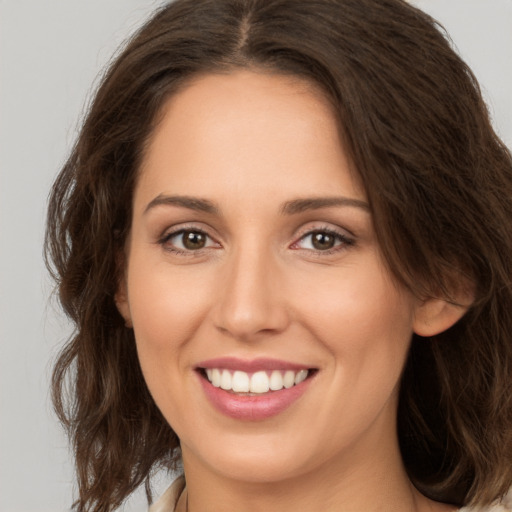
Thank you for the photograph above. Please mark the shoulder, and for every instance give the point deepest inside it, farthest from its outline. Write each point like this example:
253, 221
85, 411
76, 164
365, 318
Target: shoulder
167, 502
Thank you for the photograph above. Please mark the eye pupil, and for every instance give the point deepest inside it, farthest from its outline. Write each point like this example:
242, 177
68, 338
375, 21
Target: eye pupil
323, 241
193, 240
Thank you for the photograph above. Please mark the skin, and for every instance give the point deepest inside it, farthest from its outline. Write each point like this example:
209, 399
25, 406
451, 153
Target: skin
248, 143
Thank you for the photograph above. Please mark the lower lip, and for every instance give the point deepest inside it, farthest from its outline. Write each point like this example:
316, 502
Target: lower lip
255, 407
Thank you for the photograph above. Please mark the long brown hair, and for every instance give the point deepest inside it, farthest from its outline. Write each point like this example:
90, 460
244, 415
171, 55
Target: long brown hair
439, 183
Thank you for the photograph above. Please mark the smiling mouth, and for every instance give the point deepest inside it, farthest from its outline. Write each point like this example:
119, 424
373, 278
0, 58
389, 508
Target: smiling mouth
256, 383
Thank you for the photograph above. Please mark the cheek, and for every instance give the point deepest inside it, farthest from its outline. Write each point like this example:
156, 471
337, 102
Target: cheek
167, 309
357, 300
361, 317
365, 324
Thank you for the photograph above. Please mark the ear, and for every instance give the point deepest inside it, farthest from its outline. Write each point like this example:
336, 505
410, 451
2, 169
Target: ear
123, 306
121, 296
433, 316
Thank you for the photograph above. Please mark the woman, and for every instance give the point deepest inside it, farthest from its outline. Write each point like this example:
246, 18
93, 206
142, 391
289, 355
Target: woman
284, 237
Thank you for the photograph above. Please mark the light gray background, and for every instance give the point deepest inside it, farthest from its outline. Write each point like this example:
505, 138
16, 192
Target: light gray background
51, 51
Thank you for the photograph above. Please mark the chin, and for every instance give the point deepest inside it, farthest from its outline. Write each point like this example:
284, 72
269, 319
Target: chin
257, 459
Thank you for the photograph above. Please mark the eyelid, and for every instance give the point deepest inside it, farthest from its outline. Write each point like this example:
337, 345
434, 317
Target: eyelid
176, 230
343, 235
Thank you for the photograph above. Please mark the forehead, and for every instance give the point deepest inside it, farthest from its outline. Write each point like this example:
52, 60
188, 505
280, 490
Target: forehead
248, 131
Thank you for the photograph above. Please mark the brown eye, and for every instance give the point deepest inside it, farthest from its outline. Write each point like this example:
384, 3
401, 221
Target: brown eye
187, 241
193, 240
322, 241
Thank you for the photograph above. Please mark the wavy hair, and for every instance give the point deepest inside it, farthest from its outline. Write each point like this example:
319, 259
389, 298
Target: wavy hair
439, 185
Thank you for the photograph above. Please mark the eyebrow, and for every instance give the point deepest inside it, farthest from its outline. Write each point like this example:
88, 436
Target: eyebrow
293, 207
192, 203
316, 203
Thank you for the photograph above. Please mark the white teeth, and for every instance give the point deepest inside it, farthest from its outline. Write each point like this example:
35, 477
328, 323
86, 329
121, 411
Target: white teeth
289, 379
276, 380
301, 376
240, 382
259, 382
225, 380
216, 377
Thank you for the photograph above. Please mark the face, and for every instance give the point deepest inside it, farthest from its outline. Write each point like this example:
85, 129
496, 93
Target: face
269, 331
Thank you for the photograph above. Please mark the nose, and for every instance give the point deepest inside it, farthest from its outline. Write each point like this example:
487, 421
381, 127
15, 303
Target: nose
252, 302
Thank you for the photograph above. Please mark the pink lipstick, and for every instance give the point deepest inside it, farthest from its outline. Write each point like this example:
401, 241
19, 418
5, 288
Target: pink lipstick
253, 390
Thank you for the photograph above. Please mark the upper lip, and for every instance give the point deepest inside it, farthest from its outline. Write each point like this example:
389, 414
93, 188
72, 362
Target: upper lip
252, 365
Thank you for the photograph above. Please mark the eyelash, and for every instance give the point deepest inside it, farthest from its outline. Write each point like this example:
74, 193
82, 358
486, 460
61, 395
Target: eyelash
165, 239
342, 240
